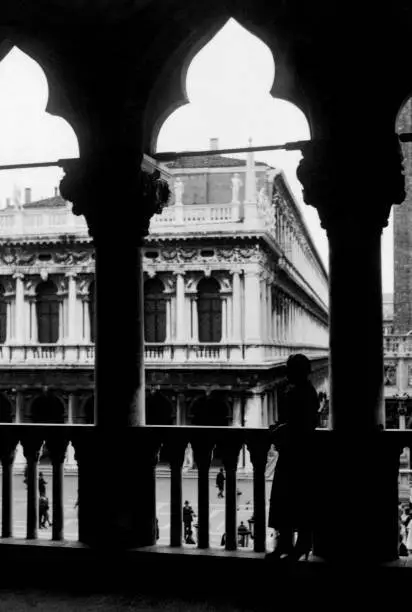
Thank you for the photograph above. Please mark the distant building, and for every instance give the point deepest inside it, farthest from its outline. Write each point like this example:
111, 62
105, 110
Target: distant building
233, 286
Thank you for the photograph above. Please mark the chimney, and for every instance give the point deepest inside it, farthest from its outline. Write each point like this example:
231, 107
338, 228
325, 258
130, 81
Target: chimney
27, 195
214, 144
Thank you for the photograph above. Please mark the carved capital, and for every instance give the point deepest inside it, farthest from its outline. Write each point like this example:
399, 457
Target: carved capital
329, 168
96, 185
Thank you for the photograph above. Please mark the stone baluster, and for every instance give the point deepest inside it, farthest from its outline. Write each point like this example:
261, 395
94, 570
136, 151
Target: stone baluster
31, 447
258, 454
7, 450
202, 449
56, 446
176, 451
230, 454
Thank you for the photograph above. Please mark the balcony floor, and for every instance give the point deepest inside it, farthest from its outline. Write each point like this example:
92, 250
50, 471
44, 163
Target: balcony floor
53, 577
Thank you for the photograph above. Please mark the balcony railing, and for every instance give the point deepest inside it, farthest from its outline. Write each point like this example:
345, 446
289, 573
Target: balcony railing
393, 344
228, 352
84, 354
41, 222
190, 215
56, 354
203, 440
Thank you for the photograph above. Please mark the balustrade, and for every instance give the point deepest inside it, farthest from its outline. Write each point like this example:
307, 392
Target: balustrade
23, 222
203, 440
397, 343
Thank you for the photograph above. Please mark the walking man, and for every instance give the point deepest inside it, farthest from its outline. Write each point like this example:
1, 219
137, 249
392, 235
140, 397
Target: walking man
188, 514
220, 483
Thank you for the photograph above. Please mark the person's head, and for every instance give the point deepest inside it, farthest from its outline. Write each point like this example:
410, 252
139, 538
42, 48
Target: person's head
186, 503
221, 469
298, 368
41, 474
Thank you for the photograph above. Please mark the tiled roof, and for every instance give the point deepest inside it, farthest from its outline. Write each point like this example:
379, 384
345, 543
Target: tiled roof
53, 202
209, 161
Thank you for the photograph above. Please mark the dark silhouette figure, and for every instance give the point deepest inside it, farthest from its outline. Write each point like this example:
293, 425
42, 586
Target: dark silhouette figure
220, 483
290, 508
44, 517
188, 514
42, 485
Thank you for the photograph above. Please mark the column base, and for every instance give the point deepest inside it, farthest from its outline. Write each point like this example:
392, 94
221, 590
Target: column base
356, 492
117, 504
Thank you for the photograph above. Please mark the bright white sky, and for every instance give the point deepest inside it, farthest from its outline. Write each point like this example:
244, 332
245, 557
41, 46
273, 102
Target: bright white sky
228, 85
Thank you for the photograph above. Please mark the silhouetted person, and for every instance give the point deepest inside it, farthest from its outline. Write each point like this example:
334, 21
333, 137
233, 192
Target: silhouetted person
292, 489
220, 482
188, 514
44, 518
42, 485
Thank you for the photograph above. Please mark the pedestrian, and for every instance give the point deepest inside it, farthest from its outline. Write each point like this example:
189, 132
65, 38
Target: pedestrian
290, 507
220, 483
243, 535
157, 529
44, 516
42, 485
188, 515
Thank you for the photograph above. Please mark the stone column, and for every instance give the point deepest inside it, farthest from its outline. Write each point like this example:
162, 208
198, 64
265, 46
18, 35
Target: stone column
237, 336
71, 335
237, 411
181, 319
195, 318
108, 174
252, 310
180, 409
86, 320
354, 229
19, 319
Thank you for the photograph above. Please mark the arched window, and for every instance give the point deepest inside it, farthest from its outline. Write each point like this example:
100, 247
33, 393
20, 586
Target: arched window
209, 311
47, 307
3, 316
154, 311
47, 409
92, 311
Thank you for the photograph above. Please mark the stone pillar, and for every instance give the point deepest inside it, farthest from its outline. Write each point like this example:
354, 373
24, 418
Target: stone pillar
108, 174
237, 411
33, 320
86, 320
252, 310
253, 410
180, 409
180, 307
269, 313
195, 318
354, 230
19, 319
71, 335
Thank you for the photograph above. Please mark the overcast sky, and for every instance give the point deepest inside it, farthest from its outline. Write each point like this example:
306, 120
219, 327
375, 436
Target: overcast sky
228, 85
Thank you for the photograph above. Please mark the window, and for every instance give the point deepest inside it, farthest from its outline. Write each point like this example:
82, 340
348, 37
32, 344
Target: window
154, 311
3, 316
92, 311
209, 311
47, 307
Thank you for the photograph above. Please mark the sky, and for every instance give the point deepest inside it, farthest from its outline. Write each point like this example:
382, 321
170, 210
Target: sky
228, 84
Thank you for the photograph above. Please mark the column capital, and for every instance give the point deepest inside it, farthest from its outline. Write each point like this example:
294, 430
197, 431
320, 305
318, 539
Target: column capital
18, 275
95, 185
329, 168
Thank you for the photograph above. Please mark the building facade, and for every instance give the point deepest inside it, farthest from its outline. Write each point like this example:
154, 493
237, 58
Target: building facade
233, 285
